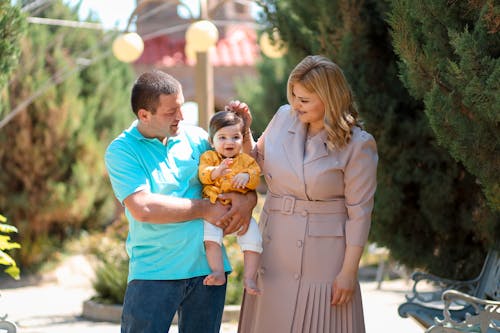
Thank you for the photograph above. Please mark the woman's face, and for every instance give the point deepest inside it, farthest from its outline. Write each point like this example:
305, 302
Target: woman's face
309, 107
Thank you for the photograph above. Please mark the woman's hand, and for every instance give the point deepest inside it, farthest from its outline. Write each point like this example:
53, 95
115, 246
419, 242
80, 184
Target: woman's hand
345, 283
242, 110
343, 288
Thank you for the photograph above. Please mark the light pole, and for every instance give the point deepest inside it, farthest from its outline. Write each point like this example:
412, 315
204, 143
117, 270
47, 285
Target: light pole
201, 37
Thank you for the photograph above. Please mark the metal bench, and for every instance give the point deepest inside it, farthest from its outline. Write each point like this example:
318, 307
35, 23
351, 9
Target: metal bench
457, 306
7, 326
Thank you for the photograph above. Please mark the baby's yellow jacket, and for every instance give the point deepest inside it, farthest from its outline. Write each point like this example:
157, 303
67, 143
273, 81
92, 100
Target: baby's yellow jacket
241, 163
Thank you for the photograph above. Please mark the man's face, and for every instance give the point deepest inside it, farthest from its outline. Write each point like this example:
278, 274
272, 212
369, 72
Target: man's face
165, 122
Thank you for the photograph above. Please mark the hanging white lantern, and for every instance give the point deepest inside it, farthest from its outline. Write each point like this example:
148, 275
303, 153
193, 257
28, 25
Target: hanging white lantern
272, 50
201, 36
128, 47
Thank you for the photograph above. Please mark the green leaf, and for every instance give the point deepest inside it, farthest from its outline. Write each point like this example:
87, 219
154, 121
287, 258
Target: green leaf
6, 260
7, 228
14, 272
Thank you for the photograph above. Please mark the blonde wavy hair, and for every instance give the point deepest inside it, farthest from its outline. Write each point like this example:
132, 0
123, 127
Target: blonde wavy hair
322, 76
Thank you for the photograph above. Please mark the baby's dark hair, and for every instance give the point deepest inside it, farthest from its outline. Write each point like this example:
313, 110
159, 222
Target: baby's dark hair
222, 119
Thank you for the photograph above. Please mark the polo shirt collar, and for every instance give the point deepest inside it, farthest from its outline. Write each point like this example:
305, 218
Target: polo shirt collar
134, 132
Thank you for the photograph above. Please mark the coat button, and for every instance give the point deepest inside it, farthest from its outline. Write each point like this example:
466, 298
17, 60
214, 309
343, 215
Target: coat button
299, 243
304, 213
262, 270
296, 276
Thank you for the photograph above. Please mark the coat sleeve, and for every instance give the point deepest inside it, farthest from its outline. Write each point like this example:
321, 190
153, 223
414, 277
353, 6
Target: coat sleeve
360, 179
208, 161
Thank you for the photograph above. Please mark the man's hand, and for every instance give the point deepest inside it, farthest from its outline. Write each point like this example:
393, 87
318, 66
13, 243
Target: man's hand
238, 217
215, 212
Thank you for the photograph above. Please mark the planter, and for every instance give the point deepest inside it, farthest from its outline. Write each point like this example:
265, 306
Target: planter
102, 312
112, 312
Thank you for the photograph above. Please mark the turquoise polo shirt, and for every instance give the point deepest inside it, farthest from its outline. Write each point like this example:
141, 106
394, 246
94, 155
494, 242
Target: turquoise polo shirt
161, 251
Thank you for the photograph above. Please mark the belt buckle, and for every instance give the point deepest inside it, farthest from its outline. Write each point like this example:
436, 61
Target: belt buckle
288, 205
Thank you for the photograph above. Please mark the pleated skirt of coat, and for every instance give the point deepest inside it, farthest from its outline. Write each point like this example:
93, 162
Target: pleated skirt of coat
315, 315
298, 266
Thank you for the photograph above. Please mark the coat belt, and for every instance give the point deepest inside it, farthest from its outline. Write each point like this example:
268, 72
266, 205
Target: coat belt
289, 205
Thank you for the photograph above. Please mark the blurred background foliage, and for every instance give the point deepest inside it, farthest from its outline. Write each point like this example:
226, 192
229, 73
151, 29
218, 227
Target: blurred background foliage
52, 181
12, 28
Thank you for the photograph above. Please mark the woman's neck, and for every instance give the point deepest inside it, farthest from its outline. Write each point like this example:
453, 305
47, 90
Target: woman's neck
313, 129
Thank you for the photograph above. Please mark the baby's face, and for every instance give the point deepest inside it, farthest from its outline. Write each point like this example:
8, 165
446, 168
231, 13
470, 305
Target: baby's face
228, 140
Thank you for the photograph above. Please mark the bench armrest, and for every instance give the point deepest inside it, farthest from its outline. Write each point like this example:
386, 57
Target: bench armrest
440, 286
486, 314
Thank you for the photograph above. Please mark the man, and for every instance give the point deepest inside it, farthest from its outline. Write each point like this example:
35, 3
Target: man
153, 168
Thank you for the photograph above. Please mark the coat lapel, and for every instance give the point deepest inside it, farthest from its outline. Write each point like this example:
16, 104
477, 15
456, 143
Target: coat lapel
293, 146
317, 148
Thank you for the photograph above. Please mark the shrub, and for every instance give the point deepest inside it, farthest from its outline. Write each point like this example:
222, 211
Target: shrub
112, 263
6, 244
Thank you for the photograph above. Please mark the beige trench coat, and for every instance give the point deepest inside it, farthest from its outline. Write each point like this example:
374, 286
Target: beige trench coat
318, 201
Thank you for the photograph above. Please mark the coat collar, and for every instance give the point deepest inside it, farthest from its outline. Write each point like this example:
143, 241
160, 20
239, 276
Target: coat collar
294, 145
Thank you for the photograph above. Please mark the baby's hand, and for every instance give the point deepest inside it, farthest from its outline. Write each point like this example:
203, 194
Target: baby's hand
241, 180
223, 168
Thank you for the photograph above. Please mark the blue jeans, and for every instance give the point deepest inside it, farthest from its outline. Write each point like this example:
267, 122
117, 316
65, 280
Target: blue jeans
150, 306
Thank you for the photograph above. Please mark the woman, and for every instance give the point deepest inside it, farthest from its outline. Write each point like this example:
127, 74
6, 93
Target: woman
320, 168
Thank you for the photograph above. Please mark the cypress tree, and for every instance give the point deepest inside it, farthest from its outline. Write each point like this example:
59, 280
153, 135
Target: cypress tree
428, 209
53, 180
12, 27
450, 62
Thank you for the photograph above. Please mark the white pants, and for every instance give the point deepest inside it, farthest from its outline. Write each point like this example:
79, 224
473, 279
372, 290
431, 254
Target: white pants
250, 241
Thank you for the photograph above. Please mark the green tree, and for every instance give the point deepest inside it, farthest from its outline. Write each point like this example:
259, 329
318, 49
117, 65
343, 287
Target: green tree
428, 209
53, 181
12, 27
450, 61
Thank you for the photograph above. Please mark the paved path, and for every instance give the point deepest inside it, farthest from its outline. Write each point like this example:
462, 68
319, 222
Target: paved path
54, 305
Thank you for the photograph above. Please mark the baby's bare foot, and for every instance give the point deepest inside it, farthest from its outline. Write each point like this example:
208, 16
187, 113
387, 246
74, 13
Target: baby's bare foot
251, 287
215, 279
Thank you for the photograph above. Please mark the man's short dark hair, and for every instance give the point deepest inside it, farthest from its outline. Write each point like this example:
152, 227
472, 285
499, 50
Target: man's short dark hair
149, 86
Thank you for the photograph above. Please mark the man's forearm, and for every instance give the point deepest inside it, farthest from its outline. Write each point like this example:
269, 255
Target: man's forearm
158, 208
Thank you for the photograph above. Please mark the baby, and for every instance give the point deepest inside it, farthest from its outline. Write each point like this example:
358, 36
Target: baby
227, 169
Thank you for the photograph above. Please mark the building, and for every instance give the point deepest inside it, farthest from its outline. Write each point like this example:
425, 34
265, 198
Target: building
233, 58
